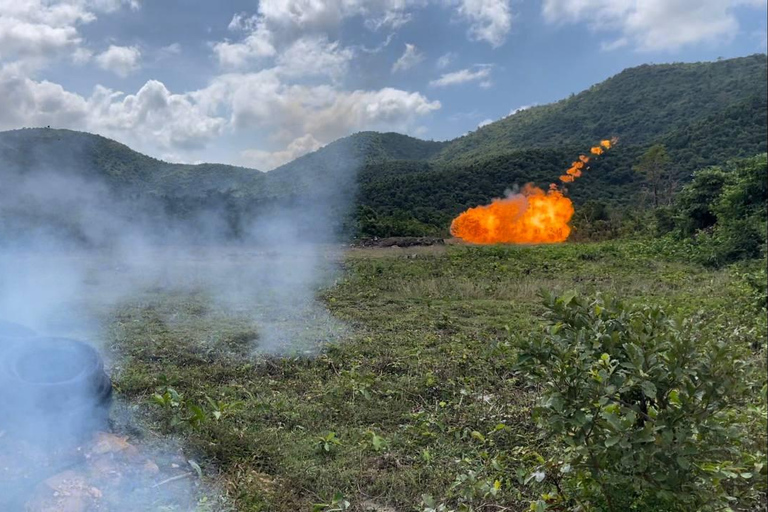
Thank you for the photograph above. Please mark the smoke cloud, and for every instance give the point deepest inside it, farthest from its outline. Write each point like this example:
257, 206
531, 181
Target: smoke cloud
75, 246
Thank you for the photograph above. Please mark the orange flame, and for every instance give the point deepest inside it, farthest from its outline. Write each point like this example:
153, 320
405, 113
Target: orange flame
530, 217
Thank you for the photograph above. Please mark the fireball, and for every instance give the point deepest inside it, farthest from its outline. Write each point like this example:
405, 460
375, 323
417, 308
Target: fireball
530, 217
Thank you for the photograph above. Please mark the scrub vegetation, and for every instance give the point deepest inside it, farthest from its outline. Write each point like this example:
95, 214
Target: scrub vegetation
447, 391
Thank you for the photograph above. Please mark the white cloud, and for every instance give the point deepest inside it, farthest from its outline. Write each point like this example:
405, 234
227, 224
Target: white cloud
609, 46
392, 20
257, 45
410, 57
480, 73
25, 102
294, 104
379, 47
520, 109
35, 31
120, 60
314, 56
445, 60
297, 118
112, 5
484, 122
277, 23
489, 20
288, 111
386, 109
652, 25
154, 117
81, 56
268, 160
169, 51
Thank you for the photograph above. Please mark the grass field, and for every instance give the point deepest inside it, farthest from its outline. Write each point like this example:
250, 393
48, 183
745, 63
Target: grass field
417, 397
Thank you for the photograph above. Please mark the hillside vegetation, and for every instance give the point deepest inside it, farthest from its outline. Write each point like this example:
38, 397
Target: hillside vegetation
422, 404
386, 184
640, 105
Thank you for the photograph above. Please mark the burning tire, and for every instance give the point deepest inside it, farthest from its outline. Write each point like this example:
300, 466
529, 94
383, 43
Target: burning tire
53, 389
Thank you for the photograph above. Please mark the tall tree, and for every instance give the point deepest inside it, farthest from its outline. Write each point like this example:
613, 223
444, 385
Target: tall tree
654, 167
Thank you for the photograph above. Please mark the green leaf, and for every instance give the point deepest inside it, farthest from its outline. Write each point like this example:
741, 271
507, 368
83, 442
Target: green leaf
568, 297
648, 388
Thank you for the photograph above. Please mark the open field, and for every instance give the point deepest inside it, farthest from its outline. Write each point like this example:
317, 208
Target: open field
414, 391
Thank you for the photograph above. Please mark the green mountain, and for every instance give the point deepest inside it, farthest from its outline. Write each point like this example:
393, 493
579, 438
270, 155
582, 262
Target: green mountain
705, 113
640, 105
118, 166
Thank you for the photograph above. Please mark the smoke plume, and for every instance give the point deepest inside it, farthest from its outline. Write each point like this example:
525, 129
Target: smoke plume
74, 247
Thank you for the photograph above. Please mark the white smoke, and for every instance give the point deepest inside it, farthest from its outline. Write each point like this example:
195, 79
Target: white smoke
74, 249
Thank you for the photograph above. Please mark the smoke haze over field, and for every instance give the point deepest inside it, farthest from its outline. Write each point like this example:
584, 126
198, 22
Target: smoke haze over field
74, 249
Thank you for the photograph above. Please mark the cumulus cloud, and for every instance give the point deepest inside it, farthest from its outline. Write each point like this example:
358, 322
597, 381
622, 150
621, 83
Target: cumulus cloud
35, 31
268, 160
484, 122
154, 116
257, 45
652, 25
120, 60
277, 23
314, 56
25, 102
288, 111
293, 104
385, 110
489, 20
298, 118
480, 74
410, 57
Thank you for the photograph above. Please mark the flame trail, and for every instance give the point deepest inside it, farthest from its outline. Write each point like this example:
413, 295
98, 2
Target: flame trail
530, 217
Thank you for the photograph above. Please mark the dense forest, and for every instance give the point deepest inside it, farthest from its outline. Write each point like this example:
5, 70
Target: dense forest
387, 184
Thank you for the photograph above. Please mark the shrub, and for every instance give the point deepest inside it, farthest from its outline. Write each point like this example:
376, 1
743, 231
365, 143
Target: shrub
644, 413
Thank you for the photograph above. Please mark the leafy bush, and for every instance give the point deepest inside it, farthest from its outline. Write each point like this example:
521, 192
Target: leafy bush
725, 210
697, 198
645, 412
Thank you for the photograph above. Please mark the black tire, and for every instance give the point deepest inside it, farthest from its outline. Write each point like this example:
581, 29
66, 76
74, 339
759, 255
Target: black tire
53, 390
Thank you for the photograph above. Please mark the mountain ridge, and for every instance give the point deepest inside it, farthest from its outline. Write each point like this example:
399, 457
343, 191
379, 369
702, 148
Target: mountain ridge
706, 113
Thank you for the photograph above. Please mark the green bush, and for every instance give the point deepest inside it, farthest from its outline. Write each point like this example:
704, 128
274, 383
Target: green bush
725, 211
643, 411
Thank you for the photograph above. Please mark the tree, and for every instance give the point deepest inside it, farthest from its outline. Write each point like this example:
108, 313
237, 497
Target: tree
696, 200
653, 166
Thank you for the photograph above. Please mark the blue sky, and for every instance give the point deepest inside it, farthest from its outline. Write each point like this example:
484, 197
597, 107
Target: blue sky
260, 83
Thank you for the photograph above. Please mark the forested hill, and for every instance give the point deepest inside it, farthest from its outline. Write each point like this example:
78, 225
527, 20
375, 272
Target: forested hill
639, 105
704, 113
116, 165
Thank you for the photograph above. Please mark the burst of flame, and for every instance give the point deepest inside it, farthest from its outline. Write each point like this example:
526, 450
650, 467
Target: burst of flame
530, 217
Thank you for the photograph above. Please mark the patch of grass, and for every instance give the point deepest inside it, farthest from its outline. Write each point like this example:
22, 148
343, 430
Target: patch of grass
419, 395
